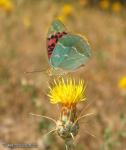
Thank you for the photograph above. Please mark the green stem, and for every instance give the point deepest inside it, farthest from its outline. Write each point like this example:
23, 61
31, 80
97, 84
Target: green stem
69, 145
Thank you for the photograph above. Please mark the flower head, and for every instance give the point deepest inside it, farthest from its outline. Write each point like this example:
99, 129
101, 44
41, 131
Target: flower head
67, 9
122, 83
116, 7
6, 5
104, 4
65, 12
67, 93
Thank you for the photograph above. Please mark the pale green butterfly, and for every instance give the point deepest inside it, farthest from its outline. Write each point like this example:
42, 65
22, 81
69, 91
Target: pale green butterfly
66, 52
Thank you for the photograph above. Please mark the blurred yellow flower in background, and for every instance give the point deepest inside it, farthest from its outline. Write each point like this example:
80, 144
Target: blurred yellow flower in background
65, 12
104, 4
67, 93
116, 7
26, 21
6, 5
67, 9
83, 2
122, 83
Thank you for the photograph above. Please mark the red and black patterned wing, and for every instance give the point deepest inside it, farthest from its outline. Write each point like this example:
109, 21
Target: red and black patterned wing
56, 31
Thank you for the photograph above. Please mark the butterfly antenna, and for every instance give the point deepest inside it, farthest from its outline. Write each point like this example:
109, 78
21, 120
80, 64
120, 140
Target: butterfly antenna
35, 71
44, 117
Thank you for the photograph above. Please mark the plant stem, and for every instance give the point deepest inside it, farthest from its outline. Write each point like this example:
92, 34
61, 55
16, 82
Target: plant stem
69, 145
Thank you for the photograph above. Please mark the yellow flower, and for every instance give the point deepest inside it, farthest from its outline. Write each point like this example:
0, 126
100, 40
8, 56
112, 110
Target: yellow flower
116, 7
26, 21
67, 93
104, 4
67, 9
6, 5
65, 12
122, 83
83, 2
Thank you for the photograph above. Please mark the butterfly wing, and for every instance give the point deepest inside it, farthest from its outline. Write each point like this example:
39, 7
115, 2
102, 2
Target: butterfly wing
56, 31
70, 53
56, 26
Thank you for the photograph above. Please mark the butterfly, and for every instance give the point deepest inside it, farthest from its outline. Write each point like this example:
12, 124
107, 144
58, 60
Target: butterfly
66, 52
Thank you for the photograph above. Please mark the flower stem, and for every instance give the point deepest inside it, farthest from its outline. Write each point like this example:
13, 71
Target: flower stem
69, 145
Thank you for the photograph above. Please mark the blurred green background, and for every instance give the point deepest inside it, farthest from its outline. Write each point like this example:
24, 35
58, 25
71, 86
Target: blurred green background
23, 29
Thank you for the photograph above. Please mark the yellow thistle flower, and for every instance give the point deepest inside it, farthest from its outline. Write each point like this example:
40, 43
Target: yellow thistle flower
122, 83
116, 7
67, 9
67, 93
104, 4
6, 5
